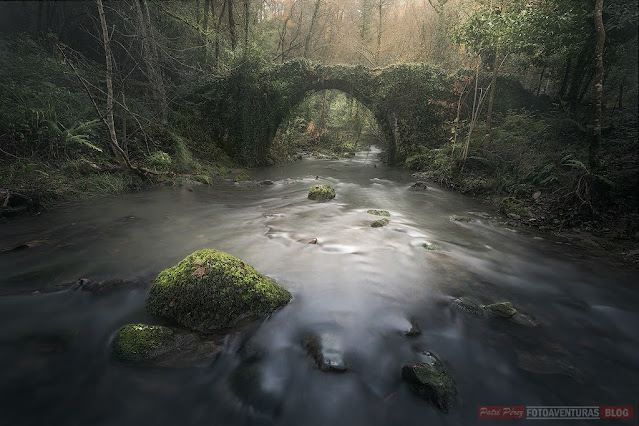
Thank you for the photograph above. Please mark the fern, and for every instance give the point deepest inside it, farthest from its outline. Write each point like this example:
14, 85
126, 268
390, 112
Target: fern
73, 135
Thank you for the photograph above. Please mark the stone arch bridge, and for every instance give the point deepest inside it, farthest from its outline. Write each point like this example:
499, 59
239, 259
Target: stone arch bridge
411, 103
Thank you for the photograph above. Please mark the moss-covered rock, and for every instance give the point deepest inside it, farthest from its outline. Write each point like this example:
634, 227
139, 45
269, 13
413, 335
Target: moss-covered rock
430, 380
163, 346
211, 290
321, 193
379, 212
502, 309
379, 223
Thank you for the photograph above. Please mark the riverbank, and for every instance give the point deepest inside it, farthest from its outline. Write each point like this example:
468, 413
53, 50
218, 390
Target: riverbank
534, 172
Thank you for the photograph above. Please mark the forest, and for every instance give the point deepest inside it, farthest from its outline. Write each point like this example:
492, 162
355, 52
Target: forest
530, 99
470, 235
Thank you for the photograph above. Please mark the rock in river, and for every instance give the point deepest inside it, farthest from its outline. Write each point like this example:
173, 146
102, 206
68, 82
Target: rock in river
384, 213
211, 290
326, 350
419, 185
321, 193
379, 223
502, 309
430, 380
164, 346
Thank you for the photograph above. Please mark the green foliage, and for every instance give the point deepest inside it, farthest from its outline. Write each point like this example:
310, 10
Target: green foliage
159, 160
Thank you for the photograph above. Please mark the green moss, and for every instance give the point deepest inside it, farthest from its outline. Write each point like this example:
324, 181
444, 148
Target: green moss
242, 177
503, 309
136, 342
321, 193
511, 206
379, 212
379, 223
210, 289
430, 246
159, 160
205, 179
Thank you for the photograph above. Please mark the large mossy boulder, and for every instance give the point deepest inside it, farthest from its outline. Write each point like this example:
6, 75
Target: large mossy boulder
161, 346
430, 380
211, 290
321, 193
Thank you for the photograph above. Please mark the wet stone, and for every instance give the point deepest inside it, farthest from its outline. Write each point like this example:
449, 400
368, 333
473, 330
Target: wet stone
429, 379
413, 331
502, 309
467, 305
159, 346
327, 351
419, 186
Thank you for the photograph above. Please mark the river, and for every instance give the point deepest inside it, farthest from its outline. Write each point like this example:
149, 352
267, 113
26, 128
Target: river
361, 284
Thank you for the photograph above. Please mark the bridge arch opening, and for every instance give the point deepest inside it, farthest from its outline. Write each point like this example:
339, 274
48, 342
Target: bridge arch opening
327, 123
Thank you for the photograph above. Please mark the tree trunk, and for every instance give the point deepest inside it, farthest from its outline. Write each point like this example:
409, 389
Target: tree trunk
229, 4
595, 142
564, 80
247, 17
380, 10
150, 55
541, 78
120, 155
491, 98
307, 41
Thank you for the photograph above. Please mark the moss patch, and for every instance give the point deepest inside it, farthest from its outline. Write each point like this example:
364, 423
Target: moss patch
503, 309
321, 193
379, 223
210, 290
205, 179
137, 342
379, 212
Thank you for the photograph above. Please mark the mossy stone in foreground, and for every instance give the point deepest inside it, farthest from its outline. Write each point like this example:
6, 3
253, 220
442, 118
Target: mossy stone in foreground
430, 380
161, 346
137, 342
211, 290
321, 193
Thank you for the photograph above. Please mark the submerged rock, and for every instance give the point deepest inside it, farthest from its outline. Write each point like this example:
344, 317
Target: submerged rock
211, 290
379, 223
326, 350
502, 309
164, 346
413, 331
248, 385
467, 305
419, 185
456, 218
430, 380
379, 212
524, 319
542, 363
321, 193
103, 287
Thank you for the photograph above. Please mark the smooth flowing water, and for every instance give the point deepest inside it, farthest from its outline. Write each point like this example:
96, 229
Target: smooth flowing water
362, 285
